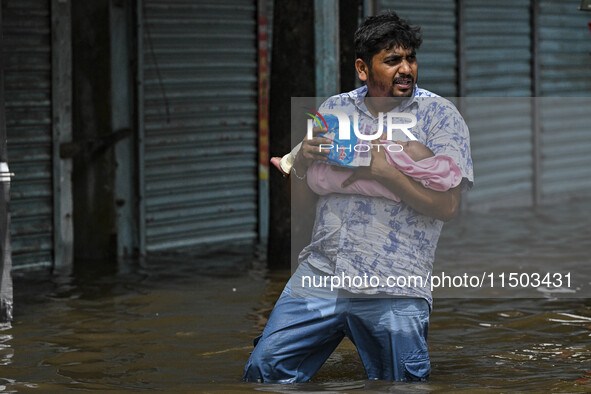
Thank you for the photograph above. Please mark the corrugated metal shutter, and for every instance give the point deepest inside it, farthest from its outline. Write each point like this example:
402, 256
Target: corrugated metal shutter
498, 48
565, 49
565, 63
437, 56
500, 138
27, 49
200, 62
566, 143
497, 37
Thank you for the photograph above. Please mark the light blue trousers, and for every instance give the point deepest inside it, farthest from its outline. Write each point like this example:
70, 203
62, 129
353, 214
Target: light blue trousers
302, 331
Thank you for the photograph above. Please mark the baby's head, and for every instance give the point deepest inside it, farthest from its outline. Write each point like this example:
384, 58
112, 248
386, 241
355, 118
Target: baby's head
415, 150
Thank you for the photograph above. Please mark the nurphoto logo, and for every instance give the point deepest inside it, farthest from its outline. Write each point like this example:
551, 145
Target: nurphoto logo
350, 147
344, 124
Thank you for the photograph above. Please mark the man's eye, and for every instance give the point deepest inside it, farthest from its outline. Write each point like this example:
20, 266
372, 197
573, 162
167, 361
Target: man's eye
412, 58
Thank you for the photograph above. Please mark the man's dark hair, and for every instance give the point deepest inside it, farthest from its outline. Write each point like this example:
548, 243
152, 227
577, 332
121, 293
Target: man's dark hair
384, 32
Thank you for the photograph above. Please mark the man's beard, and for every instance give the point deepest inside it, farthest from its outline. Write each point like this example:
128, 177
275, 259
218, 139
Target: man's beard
390, 88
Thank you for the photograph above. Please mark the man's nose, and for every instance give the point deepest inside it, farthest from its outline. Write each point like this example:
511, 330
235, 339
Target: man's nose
404, 67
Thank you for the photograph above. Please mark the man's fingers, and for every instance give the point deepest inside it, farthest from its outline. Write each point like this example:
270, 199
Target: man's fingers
315, 154
317, 141
318, 130
349, 180
317, 148
320, 140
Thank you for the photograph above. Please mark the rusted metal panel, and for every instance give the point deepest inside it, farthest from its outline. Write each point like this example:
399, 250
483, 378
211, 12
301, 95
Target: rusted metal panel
199, 122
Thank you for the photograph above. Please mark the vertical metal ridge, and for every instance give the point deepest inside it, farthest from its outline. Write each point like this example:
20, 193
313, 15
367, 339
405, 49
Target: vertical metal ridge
263, 121
63, 228
140, 128
326, 38
121, 119
536, 138
461, 71
461, 49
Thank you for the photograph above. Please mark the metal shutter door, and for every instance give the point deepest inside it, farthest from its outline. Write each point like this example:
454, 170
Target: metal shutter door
27, 50
200, 122
437, 55
565, 63
498, 59
565, 49
498, 48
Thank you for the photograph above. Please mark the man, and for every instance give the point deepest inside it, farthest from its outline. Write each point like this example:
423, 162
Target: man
361, 236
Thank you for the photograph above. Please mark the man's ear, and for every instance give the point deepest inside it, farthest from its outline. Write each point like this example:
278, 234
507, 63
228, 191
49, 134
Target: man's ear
362, 69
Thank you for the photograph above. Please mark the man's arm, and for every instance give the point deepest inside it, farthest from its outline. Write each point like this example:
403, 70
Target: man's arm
302, 198
438, 205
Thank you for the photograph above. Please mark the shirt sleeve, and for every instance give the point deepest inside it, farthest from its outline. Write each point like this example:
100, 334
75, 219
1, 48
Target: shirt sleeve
449, 135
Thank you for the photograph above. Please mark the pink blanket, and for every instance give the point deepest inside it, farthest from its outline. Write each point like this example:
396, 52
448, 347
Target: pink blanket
439, 173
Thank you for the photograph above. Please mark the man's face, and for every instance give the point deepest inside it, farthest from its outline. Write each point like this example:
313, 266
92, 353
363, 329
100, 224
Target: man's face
393, 73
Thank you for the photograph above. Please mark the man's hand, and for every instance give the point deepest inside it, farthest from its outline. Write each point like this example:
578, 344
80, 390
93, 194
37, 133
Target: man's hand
311, 150
378, 167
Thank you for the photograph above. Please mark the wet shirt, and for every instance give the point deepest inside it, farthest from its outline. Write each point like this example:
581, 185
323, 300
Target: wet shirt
380, 245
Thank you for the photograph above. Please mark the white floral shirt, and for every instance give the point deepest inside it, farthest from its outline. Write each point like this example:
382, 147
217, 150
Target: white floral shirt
356, 235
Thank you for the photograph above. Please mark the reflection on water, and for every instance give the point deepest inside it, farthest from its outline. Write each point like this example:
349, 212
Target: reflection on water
187, 324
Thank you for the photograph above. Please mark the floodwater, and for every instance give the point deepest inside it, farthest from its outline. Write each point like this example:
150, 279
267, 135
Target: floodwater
187, 324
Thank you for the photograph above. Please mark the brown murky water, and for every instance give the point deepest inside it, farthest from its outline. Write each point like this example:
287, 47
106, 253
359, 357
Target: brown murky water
187, 325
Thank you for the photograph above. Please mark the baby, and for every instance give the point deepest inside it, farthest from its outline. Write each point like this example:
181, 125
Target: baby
414, 149
439, 172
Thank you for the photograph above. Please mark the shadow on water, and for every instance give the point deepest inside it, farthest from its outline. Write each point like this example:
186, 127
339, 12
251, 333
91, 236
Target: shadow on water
186, 323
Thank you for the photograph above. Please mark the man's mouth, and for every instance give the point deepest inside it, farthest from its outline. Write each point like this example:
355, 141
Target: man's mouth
403, 82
